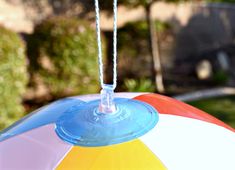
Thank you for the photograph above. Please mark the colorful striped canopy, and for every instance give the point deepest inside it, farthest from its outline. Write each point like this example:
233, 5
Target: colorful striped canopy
184, 138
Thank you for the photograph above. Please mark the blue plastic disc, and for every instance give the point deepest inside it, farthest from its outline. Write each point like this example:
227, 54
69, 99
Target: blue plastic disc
83, 125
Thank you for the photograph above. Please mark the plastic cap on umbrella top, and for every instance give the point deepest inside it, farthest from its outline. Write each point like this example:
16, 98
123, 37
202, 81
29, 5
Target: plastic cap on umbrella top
84, 125
106, 121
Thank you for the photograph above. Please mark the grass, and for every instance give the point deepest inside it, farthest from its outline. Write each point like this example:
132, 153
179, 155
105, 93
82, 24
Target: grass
223, 108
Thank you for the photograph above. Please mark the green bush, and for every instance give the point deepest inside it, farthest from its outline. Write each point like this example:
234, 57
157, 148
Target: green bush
220, 77
220, 107
63, 55
13, 76
142, 85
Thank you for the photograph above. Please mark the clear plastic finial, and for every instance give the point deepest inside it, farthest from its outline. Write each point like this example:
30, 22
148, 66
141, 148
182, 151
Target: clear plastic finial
107, 104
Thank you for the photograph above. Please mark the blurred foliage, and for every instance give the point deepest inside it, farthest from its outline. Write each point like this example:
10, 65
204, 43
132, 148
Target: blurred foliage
134, 49
220, 77
222, 108
13, 76
223, 1
142, 85
63, 54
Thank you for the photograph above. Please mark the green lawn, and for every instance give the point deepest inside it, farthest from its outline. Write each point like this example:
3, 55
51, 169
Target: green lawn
223, 108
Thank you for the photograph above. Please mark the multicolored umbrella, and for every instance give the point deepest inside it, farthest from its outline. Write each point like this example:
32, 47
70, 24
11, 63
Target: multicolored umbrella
183, 138
130, 132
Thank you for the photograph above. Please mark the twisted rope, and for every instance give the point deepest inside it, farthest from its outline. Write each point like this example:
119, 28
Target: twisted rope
100, 58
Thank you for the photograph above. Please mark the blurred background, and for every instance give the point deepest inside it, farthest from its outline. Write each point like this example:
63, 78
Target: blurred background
183, 49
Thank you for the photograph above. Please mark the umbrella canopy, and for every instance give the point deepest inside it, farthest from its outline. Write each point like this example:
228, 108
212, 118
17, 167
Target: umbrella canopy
184, 138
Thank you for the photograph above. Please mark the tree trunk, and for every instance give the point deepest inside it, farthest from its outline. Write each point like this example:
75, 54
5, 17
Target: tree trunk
155, 52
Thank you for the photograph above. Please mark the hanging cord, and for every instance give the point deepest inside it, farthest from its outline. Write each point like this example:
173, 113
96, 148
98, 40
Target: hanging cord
100, 58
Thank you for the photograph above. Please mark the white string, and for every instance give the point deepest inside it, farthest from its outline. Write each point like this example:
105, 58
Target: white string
114, 43
101, 76
100, 60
